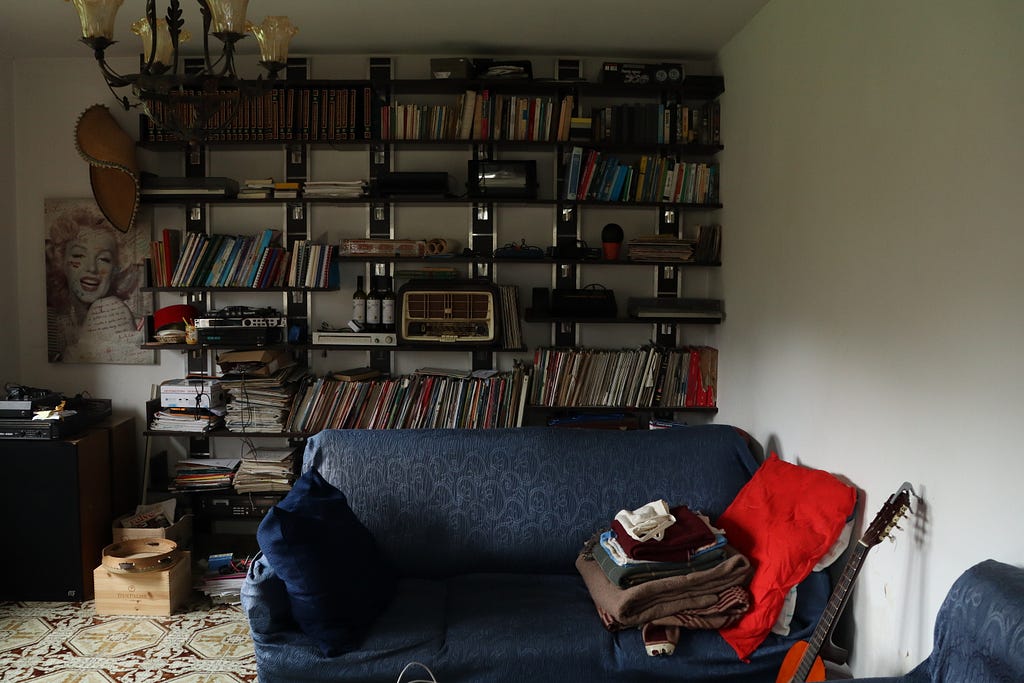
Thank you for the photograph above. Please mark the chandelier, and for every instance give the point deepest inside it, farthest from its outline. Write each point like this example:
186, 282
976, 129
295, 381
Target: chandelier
190, 105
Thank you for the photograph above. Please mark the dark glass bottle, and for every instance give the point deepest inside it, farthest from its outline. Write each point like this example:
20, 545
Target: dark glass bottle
373, 306
359, 302
387, 306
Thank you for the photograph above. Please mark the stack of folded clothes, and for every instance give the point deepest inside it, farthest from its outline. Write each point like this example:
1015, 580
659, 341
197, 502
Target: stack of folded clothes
662, 569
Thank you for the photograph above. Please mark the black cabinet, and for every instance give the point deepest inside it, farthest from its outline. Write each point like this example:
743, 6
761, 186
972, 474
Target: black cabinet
56, 515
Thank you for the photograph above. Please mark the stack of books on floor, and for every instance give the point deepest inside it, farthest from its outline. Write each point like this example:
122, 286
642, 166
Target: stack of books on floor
267, 470
185, 420
222, 581
200, 474
334, 189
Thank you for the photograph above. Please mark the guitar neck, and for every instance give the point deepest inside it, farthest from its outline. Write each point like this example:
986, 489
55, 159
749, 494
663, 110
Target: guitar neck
833, 609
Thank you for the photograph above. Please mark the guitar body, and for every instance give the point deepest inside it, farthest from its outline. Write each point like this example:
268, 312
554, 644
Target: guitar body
792, 662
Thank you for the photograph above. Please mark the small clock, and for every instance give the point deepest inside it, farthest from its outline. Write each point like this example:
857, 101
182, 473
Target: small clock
661, 75
675, 74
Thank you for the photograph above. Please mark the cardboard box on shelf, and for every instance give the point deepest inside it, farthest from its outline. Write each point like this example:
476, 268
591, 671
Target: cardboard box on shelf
180, 532
254, 363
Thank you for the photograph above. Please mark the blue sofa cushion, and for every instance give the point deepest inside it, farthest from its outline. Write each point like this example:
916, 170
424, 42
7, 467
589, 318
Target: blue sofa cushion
336, 580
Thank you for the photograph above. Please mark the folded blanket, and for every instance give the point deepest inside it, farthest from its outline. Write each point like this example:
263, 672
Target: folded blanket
663, 597
729, 606
628, 575
662, 635
681, 539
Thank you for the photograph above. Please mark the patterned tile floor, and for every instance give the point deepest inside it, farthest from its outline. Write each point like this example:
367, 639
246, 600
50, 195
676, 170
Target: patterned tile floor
67, 642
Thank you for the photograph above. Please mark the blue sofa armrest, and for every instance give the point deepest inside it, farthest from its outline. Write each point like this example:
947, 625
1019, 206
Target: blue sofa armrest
265, 601
979, 630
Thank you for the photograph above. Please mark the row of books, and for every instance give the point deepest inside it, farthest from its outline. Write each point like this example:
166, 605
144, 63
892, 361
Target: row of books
336, 114
479, 115
426, 399
312, 265
655, 123
256, 261
591, 174
303, 113
645, 377
511, 317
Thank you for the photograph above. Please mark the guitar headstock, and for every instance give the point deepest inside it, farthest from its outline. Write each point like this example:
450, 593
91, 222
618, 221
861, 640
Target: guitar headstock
895, 508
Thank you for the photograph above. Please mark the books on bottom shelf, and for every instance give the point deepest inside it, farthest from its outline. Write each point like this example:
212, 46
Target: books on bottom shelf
204, 473
429, 398
511, 318
645, 377
267, 470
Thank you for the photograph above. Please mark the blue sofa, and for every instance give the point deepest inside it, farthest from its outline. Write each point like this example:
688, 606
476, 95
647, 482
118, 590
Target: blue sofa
483, 528
979, 630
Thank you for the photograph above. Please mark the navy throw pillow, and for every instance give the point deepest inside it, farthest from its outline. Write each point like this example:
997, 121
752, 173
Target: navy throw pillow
337, 579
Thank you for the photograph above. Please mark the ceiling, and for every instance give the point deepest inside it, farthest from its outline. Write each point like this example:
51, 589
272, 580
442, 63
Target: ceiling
653, 28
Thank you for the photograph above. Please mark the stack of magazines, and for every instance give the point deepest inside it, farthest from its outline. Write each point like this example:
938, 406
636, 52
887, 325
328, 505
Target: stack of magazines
204, 473
335, 189
266, 469
260, 404
660, 248
186, 420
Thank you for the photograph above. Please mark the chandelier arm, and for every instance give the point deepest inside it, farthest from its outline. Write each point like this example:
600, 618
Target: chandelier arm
151, 20
174, 25
112, 78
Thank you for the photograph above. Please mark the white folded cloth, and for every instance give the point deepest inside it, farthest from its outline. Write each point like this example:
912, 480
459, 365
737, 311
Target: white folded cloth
646, 522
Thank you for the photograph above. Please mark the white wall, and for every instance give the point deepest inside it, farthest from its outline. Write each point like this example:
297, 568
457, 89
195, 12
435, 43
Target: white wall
873, 277
50, 95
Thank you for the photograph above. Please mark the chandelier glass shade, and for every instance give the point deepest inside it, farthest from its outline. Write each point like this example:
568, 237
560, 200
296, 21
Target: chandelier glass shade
188, 104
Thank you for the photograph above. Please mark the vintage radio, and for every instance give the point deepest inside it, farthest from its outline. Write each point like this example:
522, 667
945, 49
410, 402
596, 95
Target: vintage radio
448, 312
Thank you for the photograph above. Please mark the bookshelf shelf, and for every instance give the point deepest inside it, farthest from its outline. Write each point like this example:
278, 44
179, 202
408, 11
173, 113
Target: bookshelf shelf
360, 133
680, 320
619, 409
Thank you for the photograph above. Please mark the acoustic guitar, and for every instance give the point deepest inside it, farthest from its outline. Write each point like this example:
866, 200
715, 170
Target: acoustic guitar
802, 663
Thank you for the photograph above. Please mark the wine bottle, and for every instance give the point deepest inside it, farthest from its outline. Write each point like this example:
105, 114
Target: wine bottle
387, 306
359, 302
373, 301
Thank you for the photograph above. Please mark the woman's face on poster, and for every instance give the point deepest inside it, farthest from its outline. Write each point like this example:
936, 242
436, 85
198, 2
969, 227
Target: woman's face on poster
89, 263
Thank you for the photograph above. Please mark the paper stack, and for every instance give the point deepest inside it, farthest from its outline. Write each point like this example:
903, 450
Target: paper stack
204, 473
266, 470
186, 420
335, 189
